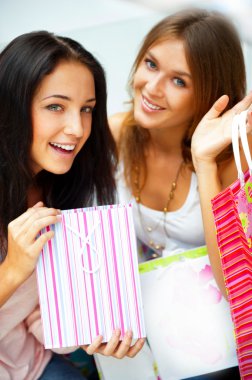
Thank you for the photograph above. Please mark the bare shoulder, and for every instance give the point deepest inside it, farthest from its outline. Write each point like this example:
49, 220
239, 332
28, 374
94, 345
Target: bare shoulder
115, 124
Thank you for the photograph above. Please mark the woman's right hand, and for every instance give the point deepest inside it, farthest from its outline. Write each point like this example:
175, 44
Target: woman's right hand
214, 132
24, 244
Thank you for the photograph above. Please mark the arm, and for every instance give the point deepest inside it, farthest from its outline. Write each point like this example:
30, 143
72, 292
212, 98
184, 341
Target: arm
9, 282
212, 135
34, 326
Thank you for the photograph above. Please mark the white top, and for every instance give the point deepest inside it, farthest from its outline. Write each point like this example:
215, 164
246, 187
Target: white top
184, 227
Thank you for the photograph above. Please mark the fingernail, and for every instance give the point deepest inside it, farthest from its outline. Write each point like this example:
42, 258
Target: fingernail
129, 334
117, 333
59, 217
98, 338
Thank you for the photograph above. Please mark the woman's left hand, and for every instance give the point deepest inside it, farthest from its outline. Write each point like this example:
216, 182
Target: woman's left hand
214, 133
115, 347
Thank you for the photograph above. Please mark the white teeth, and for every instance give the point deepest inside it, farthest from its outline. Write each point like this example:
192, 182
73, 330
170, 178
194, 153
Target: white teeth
65, 147
150, 105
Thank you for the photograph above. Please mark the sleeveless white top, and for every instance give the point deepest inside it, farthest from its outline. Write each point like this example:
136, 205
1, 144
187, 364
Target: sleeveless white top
184, 227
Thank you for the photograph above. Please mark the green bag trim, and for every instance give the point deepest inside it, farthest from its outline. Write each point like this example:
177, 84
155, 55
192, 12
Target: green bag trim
150, 265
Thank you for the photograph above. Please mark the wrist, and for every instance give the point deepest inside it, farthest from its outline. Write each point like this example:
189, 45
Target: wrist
12, 276
205, 167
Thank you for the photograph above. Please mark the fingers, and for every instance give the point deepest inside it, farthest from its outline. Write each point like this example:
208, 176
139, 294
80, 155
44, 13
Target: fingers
23, 239
136, 348
38, 204
111, 346
249, 120
35, 218
94, 346
217, 108
243, 104
37, 222
42, 240
124, 346
114, 347
30, 211
221, 103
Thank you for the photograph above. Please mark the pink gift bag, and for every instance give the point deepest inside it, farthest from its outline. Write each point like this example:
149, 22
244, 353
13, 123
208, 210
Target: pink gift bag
88, 277
232, 210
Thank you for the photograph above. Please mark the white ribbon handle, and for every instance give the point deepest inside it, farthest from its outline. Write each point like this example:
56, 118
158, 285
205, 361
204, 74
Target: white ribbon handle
86, 240
235, 143
244, 139
239, 128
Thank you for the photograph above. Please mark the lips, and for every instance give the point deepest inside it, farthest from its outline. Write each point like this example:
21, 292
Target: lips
150, 106
66, 148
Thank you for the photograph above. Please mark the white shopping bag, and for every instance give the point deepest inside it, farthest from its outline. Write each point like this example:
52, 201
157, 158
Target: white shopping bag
188, 322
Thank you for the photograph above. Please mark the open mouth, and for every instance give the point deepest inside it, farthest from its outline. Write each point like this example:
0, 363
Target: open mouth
66, 148
151, 106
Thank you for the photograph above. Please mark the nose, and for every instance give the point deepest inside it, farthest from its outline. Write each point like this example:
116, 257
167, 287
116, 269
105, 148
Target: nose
74, 125
156, 86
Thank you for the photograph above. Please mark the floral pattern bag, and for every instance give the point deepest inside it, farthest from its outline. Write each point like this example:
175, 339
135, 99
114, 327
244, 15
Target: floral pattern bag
232, 210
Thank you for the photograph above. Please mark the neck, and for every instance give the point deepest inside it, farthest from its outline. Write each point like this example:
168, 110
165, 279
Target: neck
166, 141
34, 196
163, 147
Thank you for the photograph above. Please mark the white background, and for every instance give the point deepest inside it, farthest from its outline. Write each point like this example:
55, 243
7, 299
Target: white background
111, 29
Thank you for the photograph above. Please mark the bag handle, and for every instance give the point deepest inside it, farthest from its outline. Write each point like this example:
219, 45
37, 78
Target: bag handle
244, 139
86, 240
239, 128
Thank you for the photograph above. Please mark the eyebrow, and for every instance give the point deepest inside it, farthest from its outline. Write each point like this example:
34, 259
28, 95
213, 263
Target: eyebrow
177, 72
66, 98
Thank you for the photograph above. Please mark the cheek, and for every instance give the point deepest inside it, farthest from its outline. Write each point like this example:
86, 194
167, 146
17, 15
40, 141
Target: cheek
87, 132
139, 79
185, 100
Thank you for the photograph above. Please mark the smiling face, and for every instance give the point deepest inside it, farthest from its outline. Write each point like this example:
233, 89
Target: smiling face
163, 88
61, 117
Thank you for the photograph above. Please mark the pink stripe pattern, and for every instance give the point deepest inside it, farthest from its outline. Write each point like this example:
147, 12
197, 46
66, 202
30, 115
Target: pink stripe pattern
235, 252
88, 277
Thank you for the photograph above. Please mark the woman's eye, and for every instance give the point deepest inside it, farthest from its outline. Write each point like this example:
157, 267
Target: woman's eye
179, 82
54, 107
87, 109
150, 64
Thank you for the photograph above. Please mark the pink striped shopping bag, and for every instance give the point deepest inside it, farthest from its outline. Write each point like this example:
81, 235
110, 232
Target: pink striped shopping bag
88, 277
232, 210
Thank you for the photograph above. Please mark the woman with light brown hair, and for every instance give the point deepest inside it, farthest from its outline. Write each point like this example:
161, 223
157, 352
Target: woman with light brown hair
174, 159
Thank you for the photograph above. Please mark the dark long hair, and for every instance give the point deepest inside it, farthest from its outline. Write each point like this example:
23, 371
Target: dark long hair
23, 65
215, 58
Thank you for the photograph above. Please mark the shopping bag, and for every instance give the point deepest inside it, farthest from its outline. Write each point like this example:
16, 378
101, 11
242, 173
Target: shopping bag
232, 210
188, 322
88, 277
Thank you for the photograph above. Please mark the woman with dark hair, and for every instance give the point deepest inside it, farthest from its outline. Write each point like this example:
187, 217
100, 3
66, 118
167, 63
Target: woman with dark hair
174, 160
57, 153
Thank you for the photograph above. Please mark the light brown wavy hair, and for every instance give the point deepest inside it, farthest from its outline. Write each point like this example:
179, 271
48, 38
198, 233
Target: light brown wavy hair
215, 58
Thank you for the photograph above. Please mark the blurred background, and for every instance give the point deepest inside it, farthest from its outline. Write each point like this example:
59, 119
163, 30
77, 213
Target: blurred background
113, 29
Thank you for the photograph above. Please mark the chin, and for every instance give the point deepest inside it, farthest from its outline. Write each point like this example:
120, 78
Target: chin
140, 119
58, 171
